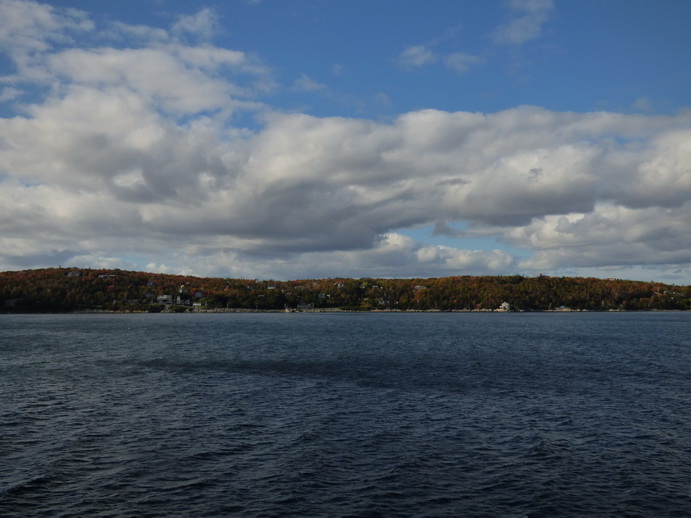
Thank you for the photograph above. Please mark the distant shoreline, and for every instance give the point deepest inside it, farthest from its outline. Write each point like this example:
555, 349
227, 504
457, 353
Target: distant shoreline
81, 290
328, 310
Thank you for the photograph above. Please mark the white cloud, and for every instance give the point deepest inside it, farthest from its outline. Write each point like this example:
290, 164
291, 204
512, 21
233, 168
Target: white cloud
200, 25
132, 157
461, 62
324, 190
643, 104
9, 93
119, 31
451, 259
173, 79
526, 24
608, 235
28, 29
417, 56
306, 84
27, 26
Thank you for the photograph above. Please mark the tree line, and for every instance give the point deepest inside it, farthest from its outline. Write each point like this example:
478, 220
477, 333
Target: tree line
75, 289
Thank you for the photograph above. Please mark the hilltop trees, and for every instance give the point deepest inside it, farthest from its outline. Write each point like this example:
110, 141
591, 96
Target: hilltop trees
71, 289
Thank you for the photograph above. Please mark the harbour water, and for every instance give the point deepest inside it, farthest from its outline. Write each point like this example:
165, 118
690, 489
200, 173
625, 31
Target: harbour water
346, 415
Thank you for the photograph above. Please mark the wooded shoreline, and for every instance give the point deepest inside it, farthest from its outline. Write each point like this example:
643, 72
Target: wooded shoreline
86, 290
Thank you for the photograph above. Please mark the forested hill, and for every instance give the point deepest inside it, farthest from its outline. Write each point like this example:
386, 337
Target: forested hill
73, 289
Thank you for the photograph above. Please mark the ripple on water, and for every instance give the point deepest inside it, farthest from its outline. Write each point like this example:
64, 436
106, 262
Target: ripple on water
346, 415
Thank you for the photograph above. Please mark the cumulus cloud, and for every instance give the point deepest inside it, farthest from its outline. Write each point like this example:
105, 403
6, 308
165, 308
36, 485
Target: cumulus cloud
132, 157
324, 188
27, 27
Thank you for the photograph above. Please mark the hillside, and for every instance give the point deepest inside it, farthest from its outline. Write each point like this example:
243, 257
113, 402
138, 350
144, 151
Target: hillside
73, 289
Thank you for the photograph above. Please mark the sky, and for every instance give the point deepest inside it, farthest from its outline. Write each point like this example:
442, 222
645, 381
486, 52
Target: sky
293, 139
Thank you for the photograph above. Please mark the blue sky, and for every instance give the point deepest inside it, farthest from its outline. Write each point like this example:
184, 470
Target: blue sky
293, 138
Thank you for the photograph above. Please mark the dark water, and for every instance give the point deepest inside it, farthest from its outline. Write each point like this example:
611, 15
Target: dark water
335, 415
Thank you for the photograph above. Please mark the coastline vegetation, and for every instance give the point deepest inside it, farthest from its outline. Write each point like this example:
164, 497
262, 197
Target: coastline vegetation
85, 289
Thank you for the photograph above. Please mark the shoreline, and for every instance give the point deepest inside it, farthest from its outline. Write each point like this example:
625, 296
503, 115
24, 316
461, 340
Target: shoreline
332, 310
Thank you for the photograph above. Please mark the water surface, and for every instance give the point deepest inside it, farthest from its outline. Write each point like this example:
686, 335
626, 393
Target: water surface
424, 414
